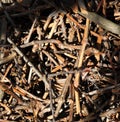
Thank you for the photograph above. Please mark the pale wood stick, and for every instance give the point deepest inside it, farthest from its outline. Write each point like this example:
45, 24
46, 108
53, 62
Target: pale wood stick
78, 65
102, 22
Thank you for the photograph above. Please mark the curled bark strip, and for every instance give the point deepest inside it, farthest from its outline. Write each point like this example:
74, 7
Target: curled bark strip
8, 58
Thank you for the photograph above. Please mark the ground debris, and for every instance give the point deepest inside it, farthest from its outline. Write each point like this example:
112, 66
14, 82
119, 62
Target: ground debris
59, 61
